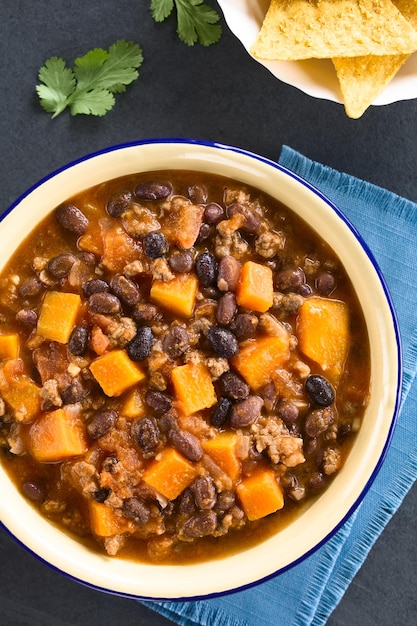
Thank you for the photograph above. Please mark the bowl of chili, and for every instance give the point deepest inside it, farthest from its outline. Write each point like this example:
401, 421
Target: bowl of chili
199, 365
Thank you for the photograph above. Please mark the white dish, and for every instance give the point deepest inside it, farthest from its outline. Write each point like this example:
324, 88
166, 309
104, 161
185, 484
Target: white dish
315, 77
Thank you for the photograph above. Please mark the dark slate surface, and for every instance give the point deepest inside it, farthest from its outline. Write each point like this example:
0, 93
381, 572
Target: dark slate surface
217, 93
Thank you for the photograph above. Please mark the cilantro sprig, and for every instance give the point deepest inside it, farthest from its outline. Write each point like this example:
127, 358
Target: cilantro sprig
196, 21
89, 87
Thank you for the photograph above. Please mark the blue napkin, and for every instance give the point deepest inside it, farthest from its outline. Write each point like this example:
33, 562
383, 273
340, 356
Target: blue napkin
307, 593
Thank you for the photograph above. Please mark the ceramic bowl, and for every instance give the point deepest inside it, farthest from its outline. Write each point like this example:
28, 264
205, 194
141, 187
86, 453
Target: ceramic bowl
325, 516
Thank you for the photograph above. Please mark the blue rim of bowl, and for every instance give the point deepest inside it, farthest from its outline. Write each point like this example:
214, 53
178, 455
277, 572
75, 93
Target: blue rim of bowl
369, 254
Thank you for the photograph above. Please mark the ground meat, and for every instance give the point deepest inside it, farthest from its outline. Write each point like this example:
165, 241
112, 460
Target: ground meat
114, 544
161, 271
217, 366
85, 477
15, 441
49, 395
230, 245
140, 221
134, 268
269, 324
332, 460
269, 243
271, 434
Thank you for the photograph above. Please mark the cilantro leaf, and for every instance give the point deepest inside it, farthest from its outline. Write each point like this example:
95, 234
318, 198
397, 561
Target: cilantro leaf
59, 83
197, 22
92, 102
161, 9
108, 70
88, 88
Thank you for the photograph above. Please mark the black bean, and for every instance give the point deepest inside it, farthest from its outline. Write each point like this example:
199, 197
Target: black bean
136, 510
221, 412
204, 492
197, 193
60, 266
288, 411
125, 289
109, 464
144, 312
246, 412
245, 325
78, 341
269, 395
168, 422
186, 443
104, 303
226, 309
160, 402
87, 257
101, 495
252, 220
316, 482
206, 268
289, 279
101, 423
228, 273
28, 317
325, 283
30, 287
186, 502
181, 261
155, 245
72, 219
318, 421
200, 525
118, 203
32, 490
213, 213
305, 290
141, 345
95, 285
225, 501
233, 386
175, 342
75, 392
223, 342
147, 434
153, 190
320, 390
204, 232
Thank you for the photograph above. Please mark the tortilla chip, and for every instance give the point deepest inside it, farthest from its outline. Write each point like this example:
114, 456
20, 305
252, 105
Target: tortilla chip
363, 78
305, 29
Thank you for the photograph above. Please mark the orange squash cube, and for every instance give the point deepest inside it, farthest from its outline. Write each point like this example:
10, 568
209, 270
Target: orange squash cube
258, 358
9, 346
255, 289
58, 315
260, 495
182, 224
119, 249
222, 449
177, 295
170, 473
193, 387
57, 435
115, 372
133, 405
323, 334
105, 523
22, 396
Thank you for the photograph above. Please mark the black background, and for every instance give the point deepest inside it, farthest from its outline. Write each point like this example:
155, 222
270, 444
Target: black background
217, 93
